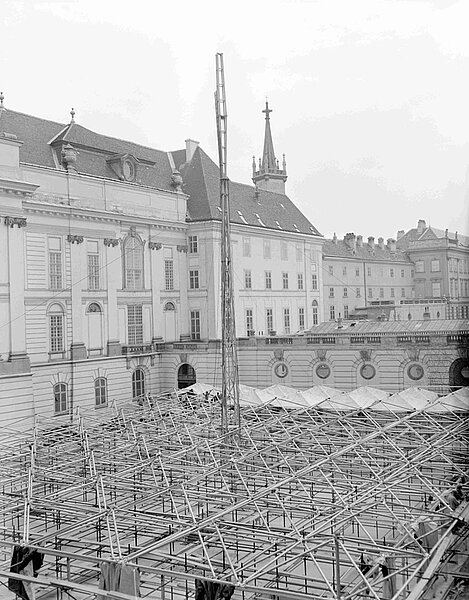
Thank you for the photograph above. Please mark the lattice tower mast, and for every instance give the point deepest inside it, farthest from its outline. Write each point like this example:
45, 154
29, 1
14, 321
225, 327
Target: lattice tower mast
229, 362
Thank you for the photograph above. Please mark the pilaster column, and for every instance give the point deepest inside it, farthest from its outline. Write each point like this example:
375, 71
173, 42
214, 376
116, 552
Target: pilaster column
16, 276
156, 270
77, 347
184, 330
114, 279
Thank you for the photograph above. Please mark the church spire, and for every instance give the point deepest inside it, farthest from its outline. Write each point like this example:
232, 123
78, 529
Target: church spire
269, 176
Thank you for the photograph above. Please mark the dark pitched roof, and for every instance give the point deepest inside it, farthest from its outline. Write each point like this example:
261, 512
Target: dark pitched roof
268, 210
428, 234
154, 169
342, 250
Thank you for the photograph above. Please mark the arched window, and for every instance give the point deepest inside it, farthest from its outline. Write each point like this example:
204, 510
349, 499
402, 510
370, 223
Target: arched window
60, 398
56, 329
138, 383
169, 306
94, 308
100, 391
315, 312
186, 376
133, 263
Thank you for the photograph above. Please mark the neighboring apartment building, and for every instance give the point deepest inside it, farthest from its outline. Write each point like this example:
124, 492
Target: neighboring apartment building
358, 273
441, 260
107, 252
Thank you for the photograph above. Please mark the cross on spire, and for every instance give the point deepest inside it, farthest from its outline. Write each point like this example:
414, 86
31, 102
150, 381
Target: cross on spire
72, 113
267, 110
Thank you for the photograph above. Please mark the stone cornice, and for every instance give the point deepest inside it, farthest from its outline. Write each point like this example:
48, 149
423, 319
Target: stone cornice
17, 187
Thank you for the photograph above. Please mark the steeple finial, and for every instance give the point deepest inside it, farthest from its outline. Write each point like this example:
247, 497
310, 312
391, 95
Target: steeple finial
2, 97
267, 110
72, 113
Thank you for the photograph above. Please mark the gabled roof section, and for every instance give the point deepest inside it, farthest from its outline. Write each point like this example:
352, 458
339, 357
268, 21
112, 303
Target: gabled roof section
428, 234
41, 138
249, 206
340, 249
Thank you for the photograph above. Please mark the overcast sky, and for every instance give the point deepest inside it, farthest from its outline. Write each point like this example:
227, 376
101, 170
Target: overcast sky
370, 98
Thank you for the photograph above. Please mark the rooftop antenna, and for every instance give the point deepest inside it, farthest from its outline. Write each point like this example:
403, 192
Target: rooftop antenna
230, 414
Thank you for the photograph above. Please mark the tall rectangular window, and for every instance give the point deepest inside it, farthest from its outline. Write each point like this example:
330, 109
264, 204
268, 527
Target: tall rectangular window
268, 280
286, 320
402, 273
357, 293
315, 315
283, 250
194, 279
381, 292
55, 263
314, 281
249, 322
436, 289
169, 274
435, 265
135, 324
246, 246
391, 272
267, 253
345, 292
56, 328
247, 279
344, 271
346, 313
285, 281
269, 320
299, 253
301, 317
193, 244
368, 270
392, 292
331, 270
357, 272
195, 324
419, 266
300, 281
370, 292
402, 292
331, 292
93, 266
332, 313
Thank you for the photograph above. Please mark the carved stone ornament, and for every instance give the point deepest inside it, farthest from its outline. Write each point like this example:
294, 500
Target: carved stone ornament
183, 357
365, 355
182, 248
155, 245
278, 354
412, 353
111, 242
75, 239
69, 157
321, 353
18, 221
176, 180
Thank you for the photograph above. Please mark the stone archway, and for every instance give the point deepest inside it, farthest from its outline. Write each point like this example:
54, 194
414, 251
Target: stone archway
186, 376
459, 373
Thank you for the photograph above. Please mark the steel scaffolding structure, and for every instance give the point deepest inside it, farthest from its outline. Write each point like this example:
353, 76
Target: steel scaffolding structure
308, 503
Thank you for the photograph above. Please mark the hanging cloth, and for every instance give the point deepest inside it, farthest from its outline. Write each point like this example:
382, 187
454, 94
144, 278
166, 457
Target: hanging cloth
118, 577
24, 561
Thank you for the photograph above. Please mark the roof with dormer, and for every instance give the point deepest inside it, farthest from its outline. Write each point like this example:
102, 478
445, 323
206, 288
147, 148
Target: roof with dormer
248, 206
428, 234
341, 249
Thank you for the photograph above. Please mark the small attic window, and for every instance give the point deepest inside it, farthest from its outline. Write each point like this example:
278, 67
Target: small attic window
260, 220
296, 227
242, 217
278, 224
219, 209
281, 205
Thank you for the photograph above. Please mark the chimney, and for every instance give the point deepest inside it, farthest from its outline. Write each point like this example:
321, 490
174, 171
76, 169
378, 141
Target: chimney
360, 241
351, 241
371, 242
334, 238
421, 226
381, 243
391, 245
400, 233
191, 147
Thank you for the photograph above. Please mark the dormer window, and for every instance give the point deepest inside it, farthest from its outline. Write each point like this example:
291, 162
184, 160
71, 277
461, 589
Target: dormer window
124, 166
